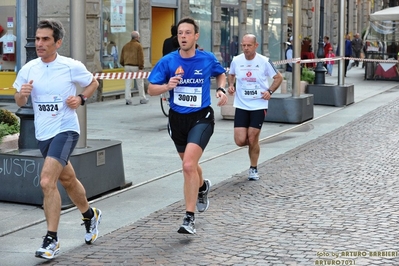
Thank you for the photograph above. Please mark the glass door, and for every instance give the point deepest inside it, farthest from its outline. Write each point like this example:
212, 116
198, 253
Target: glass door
230, 45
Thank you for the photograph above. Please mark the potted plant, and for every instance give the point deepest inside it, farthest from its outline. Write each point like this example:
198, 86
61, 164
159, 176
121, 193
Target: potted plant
307, 77
9, 130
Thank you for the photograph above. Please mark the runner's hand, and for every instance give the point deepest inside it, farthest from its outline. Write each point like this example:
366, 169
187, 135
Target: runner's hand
222, 98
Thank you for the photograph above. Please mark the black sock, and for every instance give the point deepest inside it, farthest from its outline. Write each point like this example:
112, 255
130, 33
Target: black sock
203, 187
53, 235
190, 213
88, 214
254, 167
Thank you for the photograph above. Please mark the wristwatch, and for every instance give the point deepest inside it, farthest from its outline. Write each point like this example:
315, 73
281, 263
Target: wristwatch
84, 98
270, 92
221, 89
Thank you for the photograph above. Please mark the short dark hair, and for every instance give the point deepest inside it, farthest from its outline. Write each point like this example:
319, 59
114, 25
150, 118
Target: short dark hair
173, 30
55, 25
189, 21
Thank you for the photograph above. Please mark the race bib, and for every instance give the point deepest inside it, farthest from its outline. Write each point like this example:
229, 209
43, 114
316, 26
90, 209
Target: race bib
48, 105
251, 91
188, 96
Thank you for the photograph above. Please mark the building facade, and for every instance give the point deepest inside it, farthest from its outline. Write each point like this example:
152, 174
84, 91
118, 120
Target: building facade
222, 25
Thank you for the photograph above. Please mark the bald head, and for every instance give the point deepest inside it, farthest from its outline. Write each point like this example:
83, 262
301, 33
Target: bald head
249, 36
135, 35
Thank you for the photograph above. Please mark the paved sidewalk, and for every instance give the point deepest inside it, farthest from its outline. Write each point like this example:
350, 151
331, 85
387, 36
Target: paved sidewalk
336, 195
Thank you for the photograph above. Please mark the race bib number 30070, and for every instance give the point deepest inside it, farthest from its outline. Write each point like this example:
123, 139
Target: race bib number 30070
188, 96
48, 105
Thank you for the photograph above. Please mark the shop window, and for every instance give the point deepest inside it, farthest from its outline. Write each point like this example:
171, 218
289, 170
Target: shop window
117, 23
7, 37
230, 44
200, 11
254, 21
276, 37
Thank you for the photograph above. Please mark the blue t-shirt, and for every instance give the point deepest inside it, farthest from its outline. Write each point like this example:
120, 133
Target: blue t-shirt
193, 92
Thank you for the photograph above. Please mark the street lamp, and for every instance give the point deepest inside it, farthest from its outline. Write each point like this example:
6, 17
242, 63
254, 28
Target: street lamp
320, 71
27, 138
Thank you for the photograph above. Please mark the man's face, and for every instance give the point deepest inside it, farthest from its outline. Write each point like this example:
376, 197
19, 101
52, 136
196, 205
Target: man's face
186, 36
249, 46
46, 48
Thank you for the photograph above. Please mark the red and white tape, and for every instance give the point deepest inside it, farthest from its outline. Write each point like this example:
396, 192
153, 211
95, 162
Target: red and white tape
144, 75
122, 75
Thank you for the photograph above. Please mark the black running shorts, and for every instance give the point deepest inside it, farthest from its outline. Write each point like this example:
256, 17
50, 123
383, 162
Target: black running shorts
245, 118
194, 127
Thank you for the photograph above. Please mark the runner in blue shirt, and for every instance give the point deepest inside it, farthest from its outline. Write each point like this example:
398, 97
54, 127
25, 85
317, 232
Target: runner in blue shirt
186, 74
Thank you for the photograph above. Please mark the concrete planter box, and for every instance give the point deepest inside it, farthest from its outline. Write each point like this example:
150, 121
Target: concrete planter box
9, 143
99, 167
332, 94
302, 87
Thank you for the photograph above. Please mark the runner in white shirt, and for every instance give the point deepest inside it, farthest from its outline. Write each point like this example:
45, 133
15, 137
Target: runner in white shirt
248, 79
51, 81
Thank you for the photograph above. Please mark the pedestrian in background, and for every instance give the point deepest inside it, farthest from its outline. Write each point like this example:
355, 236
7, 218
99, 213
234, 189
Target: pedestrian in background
252, 92
347, 51
288, 66
326, 47
114, 53
357, 46
51, 81
330, 63
132, 59
170, 44
186, 74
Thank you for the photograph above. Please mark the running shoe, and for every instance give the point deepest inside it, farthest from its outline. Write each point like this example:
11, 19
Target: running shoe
253, 174
203, 201
92, 226
188, 226
49, 249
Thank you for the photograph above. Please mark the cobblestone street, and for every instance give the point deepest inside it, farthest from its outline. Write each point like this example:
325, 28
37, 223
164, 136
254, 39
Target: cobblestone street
331, 201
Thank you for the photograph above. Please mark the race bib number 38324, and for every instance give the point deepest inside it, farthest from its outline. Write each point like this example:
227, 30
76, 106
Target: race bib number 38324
48, 105
188, 96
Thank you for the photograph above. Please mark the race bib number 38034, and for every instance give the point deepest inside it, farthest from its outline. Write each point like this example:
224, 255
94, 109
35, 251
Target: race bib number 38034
188, 96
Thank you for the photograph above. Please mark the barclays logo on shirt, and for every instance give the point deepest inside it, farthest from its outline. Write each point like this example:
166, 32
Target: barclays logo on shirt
191, 81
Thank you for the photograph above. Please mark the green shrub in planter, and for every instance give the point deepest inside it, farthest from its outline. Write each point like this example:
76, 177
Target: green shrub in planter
308, 75
9, 123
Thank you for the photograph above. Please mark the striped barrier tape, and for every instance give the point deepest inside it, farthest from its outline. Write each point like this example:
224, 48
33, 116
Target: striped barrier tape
143, 75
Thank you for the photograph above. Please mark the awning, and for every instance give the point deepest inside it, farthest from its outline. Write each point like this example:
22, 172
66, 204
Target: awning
391, 13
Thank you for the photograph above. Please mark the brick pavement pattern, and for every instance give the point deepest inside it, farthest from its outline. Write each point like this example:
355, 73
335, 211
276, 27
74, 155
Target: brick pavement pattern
335, 195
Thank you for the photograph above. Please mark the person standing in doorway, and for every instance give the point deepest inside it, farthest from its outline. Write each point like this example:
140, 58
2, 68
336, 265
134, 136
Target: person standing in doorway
51, 81
186, 74
132, 59
252, 92
170, 44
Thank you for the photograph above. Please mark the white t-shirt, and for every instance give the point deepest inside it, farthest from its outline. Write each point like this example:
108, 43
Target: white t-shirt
251, 80
52, 84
